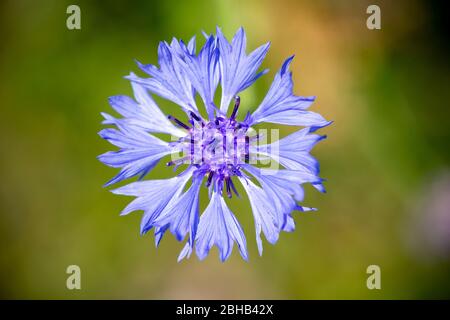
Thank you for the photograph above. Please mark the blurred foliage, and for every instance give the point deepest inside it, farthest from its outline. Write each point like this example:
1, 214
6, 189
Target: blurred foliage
386, 90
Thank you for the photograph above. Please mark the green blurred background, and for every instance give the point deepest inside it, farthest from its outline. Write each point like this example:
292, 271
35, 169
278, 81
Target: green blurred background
386, 158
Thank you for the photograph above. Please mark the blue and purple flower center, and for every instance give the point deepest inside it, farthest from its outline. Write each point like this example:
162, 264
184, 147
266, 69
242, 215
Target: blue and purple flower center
217, 148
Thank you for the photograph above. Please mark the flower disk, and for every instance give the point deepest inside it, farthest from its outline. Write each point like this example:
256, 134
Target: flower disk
215, 151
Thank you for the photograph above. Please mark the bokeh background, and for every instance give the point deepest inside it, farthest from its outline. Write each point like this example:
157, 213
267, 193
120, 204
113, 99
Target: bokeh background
386, 158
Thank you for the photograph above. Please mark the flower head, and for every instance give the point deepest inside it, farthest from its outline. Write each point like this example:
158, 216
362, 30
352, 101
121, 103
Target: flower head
217, 150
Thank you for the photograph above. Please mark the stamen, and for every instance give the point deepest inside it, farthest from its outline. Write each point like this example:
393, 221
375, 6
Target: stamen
219, 183
209, 142
227, 183
235, 150
219, 119
247, 149
192, 149
230, 182
224, 146
196, 117
236, 106
203, 149
177, 161
178, 122
210, 176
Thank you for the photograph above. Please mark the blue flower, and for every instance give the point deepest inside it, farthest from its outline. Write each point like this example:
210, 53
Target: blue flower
216, 150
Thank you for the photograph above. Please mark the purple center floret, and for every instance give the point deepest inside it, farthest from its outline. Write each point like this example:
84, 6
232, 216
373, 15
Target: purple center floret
217, 148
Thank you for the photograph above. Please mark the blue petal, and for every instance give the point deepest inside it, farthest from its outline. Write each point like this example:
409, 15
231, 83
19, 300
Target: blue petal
281, 106
280, 195
290, 224
139, 152
218, 226
238, 71
264, 213
169, 81
181, 214
191, 45
159, 233
293, 151
185, 252
283, 188
152, 197
203, 72
143, 113
283, 177
179, 49
288, 180
295, 117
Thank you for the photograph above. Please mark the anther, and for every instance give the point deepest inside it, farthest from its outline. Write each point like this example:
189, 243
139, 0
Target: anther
192, 148
177, 161
231, 184
224, 146
235, 149
210, 176
178, 122
247, 149
236, 107
228, 186
193, 115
